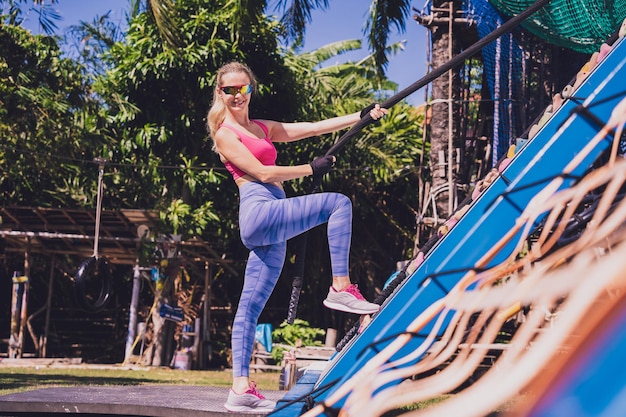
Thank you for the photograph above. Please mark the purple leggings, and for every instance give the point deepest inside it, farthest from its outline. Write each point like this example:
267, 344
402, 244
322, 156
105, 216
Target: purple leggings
267, 219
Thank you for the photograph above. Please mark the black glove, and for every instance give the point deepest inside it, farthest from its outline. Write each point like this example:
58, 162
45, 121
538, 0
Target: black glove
322, 165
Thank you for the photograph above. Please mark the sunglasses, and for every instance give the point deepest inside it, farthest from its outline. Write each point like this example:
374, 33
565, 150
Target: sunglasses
234, 89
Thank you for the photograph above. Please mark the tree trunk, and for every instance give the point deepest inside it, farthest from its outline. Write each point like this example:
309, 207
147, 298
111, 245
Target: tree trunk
445, 95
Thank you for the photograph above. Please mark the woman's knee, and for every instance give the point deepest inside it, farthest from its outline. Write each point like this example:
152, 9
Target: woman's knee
343, 208
343, 202
272, 256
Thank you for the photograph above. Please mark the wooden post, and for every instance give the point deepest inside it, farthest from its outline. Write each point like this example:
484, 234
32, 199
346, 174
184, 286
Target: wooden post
19, 308
44, 344
16, 306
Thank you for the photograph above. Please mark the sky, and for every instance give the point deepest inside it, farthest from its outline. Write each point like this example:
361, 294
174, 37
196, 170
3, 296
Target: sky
344, 20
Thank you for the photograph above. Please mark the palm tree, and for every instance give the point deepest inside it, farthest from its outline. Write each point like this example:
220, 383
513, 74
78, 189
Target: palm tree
445, 94
383, 17
296, 14
46, 15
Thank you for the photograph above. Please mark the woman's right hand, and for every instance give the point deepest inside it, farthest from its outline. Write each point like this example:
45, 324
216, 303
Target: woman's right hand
322, 165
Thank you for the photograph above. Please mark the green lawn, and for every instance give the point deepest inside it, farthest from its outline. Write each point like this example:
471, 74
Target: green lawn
18, 379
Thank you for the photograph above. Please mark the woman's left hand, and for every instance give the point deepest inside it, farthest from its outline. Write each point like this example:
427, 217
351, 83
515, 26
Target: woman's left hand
375, 111
378, 112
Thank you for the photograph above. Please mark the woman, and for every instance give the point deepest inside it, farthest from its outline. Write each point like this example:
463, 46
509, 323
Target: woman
267, 219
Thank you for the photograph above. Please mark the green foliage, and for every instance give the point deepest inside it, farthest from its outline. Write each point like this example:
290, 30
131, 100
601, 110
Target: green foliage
386, 148
378, 168
180, 216
145, 114
48, 124
16, 10
382, 17
157, 98
175, 213
300, 333
87, 42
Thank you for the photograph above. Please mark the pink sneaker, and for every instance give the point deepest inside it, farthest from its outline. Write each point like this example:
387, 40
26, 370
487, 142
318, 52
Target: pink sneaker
349, 300
251, 401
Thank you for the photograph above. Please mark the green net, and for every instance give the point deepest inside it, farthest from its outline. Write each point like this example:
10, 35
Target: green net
581, 25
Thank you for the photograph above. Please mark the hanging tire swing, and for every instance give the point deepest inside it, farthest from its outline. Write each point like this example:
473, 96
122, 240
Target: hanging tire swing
92, 283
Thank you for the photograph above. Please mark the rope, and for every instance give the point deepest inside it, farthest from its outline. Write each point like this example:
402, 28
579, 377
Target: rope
92, 283
367, 119
459, 59
101, 164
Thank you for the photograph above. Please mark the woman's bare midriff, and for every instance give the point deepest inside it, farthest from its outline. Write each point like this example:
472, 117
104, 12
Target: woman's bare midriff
247, 178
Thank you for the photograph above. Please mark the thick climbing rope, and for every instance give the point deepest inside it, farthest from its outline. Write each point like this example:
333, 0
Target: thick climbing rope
367, 119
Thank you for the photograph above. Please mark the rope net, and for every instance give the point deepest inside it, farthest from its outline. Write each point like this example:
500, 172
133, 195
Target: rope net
503, 63
581, 25
510, 62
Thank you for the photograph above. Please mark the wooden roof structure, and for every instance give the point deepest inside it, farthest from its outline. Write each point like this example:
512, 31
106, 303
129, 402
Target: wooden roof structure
60, 231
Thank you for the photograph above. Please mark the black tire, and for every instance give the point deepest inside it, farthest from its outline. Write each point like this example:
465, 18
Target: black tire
92, 284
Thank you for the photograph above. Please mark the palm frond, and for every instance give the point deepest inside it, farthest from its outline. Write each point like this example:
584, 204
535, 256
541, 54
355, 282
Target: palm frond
47, 17
163, 13
382, 16
297, 15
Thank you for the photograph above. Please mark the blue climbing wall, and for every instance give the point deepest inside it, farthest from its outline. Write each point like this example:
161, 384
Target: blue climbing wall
539, 161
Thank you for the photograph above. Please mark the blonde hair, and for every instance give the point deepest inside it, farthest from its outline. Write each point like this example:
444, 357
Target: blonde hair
215, 117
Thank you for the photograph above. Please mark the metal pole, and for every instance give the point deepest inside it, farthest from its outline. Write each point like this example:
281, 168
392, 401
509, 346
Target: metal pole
205, 345
132, 316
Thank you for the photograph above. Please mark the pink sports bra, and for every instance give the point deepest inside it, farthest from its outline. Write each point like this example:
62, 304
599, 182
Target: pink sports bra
262, 149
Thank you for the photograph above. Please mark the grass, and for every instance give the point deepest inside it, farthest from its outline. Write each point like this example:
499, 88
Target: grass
20, 379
